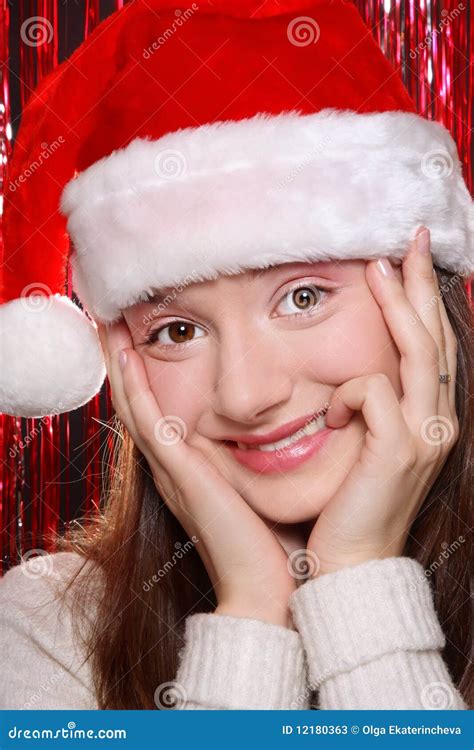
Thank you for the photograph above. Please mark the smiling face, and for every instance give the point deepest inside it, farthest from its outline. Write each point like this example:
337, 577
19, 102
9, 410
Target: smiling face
244, 355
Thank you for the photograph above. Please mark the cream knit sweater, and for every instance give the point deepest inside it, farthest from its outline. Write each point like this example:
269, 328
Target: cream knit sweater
367, 637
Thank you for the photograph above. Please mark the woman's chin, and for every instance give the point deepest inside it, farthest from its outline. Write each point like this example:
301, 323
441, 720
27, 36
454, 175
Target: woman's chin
297, 498
301, 494
278, 509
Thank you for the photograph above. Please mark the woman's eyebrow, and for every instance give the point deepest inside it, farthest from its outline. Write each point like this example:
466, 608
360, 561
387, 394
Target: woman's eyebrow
162, 297
312, 266
259, 271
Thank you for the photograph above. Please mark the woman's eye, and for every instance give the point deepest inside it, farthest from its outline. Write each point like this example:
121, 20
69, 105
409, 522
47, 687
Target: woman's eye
301, 299
178, 332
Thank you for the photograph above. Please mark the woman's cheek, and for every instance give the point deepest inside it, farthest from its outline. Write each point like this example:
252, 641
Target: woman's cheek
372, 346
354, 342
177, 388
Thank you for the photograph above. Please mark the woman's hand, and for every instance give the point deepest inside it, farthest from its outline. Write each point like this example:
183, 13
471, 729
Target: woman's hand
407, 441
246, 563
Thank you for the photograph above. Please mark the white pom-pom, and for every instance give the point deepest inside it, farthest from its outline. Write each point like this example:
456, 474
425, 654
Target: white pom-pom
51, 358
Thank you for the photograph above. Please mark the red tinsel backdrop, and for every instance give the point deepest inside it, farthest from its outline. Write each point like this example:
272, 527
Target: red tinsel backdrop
51, 468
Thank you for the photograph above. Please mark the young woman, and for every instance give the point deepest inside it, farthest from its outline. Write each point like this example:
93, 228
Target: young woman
286, 524
377, 485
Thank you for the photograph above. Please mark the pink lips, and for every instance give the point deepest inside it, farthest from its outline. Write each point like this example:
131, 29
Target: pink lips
282, 459
278, 434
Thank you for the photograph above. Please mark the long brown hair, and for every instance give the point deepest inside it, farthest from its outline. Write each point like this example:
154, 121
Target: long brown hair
138, 624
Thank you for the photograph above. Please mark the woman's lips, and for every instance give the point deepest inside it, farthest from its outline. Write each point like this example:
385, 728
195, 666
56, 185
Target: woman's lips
282, 459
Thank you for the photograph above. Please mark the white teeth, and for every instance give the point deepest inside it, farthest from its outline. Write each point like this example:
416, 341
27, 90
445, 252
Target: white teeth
309, 429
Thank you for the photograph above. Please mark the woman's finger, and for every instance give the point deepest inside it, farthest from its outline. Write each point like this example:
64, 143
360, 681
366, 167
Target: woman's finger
160, 436
118, 339
451, 347
419, 281
375, 397
163, 437
419, 352
114, 338
160, 439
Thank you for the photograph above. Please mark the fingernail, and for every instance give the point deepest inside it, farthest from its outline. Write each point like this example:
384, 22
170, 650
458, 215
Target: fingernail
122, 358
385, 267
423, 241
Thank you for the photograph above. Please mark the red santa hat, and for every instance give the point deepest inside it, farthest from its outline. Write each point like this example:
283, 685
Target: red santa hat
179, 143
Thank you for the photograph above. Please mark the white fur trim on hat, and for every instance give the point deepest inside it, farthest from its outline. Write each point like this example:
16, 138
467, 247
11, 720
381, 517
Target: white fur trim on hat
270, 189
52, 361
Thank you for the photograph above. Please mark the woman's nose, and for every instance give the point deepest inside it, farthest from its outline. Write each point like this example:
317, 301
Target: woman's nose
250, 379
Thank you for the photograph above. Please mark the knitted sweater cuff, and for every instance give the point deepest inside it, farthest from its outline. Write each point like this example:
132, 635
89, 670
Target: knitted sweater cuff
240, 663
357, 614
413, 680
